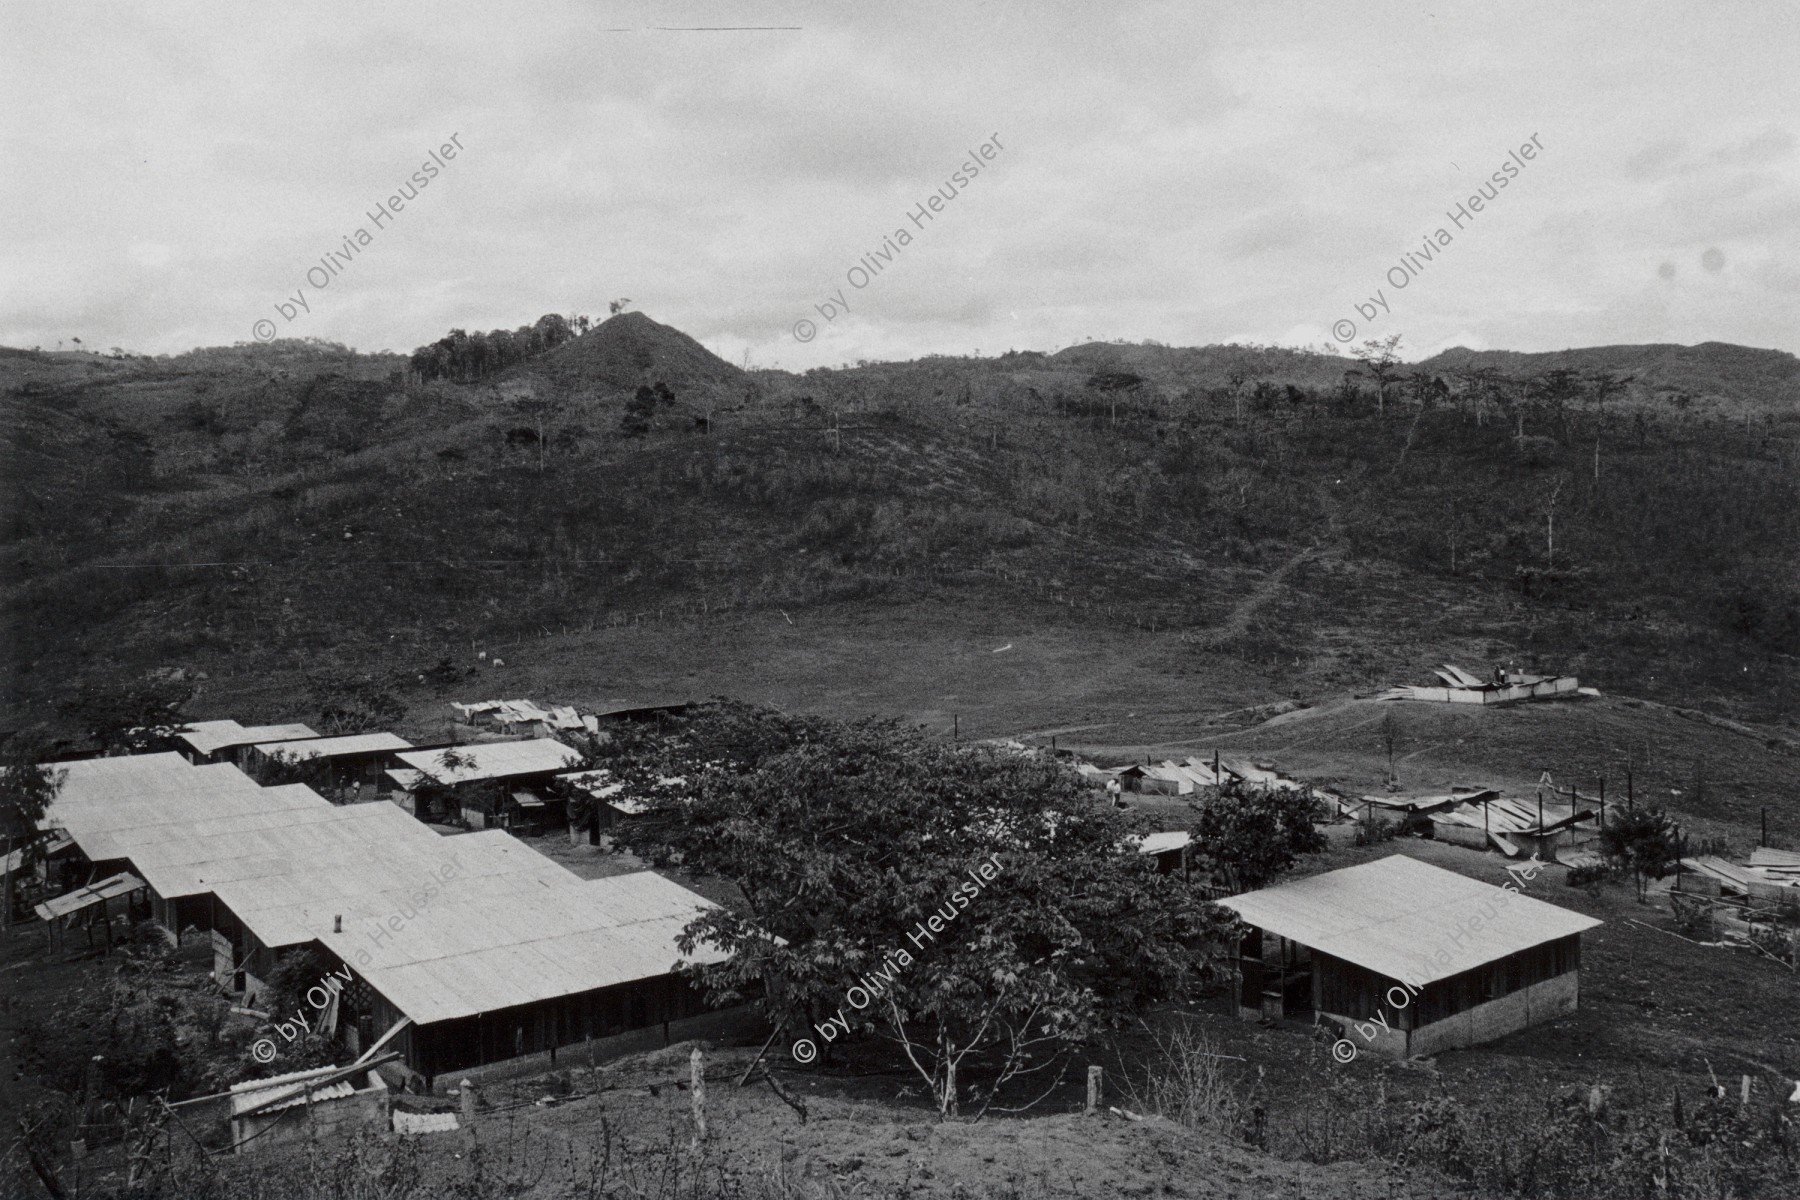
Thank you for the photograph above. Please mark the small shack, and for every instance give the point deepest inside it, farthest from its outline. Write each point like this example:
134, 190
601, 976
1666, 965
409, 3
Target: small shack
1423, 958
608, 803
350, 762
1148, 780
204, 743
303, 1104
1170, 850
478, 782
1502, 687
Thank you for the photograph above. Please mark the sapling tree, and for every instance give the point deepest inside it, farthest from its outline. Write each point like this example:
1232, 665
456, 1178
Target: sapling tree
27, 786
1641, 840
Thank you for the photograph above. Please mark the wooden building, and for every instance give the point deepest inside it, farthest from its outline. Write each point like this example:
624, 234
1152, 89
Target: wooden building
475, 783
204, 743
349, 766
466, 953
1415, 959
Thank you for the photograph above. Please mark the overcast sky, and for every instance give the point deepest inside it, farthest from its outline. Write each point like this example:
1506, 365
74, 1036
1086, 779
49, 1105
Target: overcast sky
1190, 173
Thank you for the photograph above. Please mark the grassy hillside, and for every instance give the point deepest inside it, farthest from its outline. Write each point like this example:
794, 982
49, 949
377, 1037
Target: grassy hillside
1244, 511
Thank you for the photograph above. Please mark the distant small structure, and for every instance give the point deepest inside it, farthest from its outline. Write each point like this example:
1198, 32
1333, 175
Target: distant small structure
1503, 687
523, 718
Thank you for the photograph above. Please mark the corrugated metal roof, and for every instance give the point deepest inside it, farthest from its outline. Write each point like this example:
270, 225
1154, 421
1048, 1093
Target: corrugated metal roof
253, 1092
335, 747
209, 737
493, 760
190, 866
1163, 843
287, 906
58, 842
505, 926
121, 884
1771, 858
1402, 918
458, 957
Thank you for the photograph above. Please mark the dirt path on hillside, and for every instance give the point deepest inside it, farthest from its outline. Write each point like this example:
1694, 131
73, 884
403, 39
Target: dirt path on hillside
1239, 620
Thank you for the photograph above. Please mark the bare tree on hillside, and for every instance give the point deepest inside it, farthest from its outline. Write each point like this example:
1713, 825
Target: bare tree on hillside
1380, 360
1392, 733
1602, 386
1110, 384
1550, 521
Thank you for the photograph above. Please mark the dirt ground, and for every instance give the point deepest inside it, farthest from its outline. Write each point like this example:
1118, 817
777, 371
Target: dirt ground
1657, 1013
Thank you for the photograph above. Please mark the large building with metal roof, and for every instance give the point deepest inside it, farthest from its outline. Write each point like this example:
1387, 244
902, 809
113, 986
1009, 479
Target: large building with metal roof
463, 951
1414, 958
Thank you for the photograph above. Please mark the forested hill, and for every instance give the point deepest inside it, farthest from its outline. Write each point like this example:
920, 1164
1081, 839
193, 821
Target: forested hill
255, 516
1712, 371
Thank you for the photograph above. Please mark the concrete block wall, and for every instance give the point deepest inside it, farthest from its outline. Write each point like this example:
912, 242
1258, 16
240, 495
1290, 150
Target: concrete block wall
1510, 1013
740, 1022
367, 1108
1389, 1043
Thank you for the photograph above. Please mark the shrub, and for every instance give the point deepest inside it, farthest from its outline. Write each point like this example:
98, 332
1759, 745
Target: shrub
1372, 830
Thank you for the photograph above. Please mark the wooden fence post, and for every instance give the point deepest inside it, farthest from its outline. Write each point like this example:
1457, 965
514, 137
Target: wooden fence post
467, 1099
1093, 1096
697, 1086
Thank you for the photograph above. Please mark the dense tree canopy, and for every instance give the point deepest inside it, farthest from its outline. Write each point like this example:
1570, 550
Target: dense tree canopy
1248, 836
128, 717
976, 906
462, 356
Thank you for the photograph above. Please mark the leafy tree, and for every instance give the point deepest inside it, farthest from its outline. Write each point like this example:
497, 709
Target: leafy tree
352, 703
128, 718
1643, 841
639, 417
284, 767
1247, 836
847, 839
26, 789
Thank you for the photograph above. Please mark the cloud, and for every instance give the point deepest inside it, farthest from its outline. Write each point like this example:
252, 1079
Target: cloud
1171, 171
